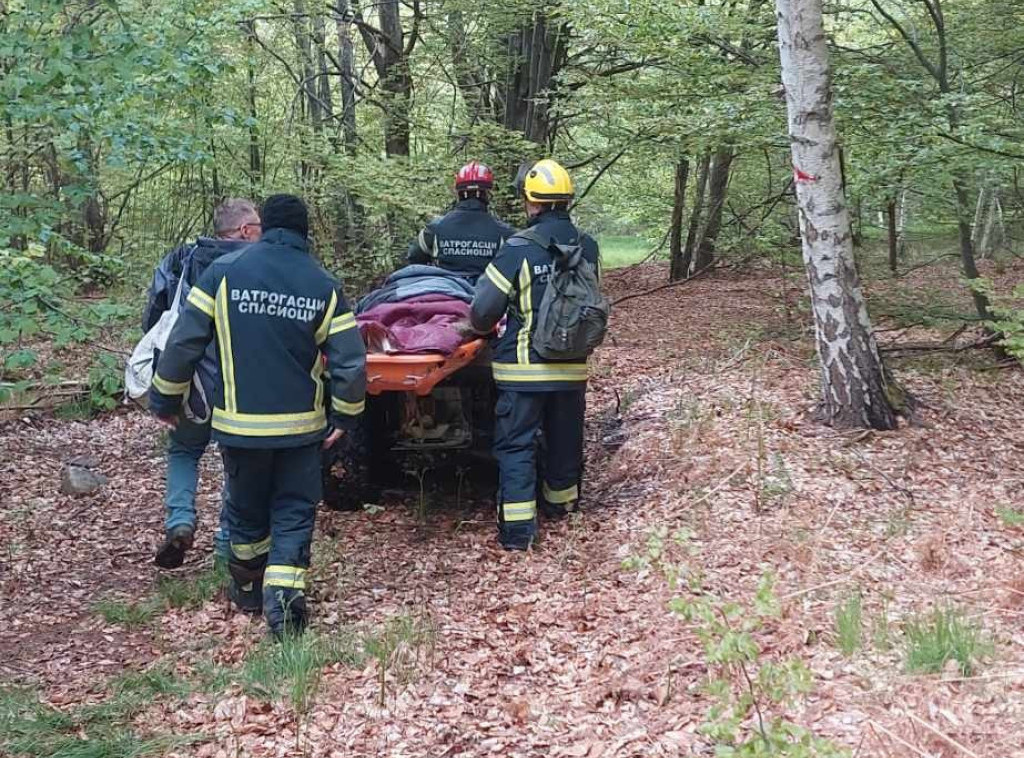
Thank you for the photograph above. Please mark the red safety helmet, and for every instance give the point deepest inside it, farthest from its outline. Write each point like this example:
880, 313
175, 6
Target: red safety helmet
474, 176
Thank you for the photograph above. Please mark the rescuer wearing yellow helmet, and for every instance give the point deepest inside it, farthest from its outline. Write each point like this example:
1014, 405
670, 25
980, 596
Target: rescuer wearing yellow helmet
533, 393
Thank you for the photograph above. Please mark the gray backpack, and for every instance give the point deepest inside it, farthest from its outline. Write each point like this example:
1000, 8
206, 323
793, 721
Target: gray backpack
573, 315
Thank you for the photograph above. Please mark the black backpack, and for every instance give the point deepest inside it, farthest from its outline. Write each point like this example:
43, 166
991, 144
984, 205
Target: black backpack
573, 315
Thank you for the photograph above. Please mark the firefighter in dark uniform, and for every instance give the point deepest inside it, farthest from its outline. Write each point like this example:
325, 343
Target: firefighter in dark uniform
277, 317
533, 394
466, 238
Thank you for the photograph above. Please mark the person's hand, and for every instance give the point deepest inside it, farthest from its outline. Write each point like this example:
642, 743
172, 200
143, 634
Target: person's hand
171, 422
465, 328
334, 436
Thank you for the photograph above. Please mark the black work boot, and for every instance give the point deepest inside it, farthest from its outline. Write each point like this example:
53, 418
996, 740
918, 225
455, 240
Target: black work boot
177, 542
558, 511
517, 535
246, 587
285, 610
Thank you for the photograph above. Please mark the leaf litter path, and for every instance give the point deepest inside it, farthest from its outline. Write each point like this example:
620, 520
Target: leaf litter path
564, 652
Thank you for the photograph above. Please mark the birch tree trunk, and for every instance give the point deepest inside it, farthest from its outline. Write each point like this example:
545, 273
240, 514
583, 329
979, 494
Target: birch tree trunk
855, 388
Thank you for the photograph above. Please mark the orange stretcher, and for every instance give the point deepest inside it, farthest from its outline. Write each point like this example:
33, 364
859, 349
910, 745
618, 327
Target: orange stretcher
416, 373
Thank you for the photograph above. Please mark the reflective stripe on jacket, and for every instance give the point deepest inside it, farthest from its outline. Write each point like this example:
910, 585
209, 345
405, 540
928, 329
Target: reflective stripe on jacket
275, 315
514, 283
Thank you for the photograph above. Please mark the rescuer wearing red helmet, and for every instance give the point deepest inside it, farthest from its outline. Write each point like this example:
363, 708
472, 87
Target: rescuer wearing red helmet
466, 238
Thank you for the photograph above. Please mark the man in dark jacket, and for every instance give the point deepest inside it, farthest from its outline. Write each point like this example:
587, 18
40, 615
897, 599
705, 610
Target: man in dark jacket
276, 316
466, 238
235, 224
533, 393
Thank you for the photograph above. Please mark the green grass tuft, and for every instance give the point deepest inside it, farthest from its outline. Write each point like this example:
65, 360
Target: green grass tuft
131, 615
151, 683
189, 593
292, 667
31, 728
941, 637
848, 624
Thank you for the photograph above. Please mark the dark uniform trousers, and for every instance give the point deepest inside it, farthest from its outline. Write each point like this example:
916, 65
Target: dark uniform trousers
518, 418
274, 493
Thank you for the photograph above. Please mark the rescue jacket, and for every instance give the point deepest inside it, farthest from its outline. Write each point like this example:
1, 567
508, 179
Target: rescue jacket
462, 241
514, 283
275, 314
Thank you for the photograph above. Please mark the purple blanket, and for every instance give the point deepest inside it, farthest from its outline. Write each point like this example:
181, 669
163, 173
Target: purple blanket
419, 325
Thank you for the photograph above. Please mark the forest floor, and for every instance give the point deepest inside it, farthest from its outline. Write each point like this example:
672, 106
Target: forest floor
864, 586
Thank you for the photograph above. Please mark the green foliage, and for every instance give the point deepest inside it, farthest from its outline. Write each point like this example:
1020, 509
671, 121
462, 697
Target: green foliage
37, 302
129, 614
744, 683
848, 624
1009, 313
943, 636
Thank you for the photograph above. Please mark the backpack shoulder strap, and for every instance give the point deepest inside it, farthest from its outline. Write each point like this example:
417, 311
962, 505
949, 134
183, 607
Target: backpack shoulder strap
532, 235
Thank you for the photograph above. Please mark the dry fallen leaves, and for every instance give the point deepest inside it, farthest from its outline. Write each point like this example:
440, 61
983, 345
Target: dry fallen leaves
563, 652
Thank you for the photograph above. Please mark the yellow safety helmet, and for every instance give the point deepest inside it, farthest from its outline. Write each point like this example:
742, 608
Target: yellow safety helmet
547, 182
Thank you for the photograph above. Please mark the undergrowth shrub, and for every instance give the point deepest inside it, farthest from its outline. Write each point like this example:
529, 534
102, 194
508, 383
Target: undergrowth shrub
749, 690
39, 303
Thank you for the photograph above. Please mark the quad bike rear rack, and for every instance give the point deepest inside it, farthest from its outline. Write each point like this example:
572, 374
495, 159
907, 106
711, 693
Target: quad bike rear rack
416, 373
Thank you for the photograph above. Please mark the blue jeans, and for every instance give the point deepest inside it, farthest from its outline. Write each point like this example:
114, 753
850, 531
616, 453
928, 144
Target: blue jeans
188, 442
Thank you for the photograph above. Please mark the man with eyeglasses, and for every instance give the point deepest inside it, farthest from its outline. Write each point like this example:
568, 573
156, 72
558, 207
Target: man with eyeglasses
236, 223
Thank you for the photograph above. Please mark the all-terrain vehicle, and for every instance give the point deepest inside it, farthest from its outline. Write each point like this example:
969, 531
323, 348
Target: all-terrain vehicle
426, 414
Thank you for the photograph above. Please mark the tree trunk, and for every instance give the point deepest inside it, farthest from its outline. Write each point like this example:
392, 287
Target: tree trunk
967, 262
323, 80
985, 227
348, 231
347, 58
901, 221
856, 391
390, 55
719, 185
255, 155
979, 210
676, 268
396, 82
469, 76
686, 262
858, 222
300, 28
890, 216
536, 54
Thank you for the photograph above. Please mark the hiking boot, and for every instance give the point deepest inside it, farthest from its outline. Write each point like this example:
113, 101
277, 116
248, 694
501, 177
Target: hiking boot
518, 535
285, 611
177, 542
248, 598
246, 586
558, 511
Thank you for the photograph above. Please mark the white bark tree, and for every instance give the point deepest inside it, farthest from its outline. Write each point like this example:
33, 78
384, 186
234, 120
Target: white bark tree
856, 389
